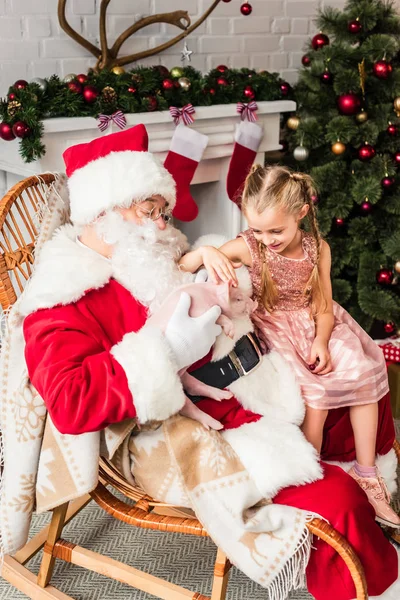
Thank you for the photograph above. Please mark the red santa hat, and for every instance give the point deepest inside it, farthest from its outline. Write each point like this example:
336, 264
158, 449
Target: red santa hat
115, 170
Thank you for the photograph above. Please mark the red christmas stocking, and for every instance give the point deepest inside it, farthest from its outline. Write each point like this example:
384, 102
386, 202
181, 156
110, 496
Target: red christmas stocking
248, 137
185, 152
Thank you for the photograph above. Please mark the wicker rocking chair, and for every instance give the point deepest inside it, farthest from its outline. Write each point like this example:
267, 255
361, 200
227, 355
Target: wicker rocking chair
17, 238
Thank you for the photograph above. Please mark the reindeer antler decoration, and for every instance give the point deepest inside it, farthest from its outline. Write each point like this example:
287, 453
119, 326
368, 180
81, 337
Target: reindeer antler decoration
107, 58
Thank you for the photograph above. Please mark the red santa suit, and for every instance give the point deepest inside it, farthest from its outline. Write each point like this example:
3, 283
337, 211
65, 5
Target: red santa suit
95, 362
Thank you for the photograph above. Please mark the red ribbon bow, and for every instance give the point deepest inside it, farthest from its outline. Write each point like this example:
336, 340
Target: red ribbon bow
247, 111
185, 113
118, 118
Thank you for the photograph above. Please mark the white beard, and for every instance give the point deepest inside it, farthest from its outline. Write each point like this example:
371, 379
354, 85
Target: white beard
144, 258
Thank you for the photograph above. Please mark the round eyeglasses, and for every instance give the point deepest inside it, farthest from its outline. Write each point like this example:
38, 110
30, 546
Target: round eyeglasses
155, 213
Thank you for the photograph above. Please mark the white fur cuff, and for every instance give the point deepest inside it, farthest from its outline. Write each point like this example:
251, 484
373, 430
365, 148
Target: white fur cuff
152, 374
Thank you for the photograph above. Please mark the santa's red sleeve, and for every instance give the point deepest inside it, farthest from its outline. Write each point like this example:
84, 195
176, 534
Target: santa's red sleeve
87, 385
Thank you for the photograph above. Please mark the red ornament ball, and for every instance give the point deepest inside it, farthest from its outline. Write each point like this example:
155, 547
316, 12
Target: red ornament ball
319, 41
162, 70
21, 84
212, 92
6, 132
152, 103
326, 77
249, 92
396, 158
387, 182
382, 69
366, 152
222, 81
306, 60
366, 207
82, 78
389, 327
90, 93
349, 104
222, 68
354, 26
384, 276
132, 90
246, 9
314, 199
339, 221
75, 86
392, 130
168, 84
285, 88
21, 129
226, 1
11, 96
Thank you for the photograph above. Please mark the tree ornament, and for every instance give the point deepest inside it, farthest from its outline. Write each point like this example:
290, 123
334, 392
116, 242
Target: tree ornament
339, 221
40, 82
137, 78
90, 94
222, 69
21, 84
348, 104
314, 199
319, 41
293, 122
222, 81
13, 107
176, 72
108, 94
246, 9
384, 276
6, 132
167, 84
11, 96
366, 206
69, 77
338, 148
366, 152
75, 86
132, 90
212, 91
21, 129
186, 54
163, 71
382, 69
306, 60
392, 130
82, 78
362, 116
249, 92
354, 26
397, 266
396, 158
396, 105
285, 145
326, 77
387, 182
389, 327
285, 88
301, 153
118, 70
226, 1
184, 83
152, 103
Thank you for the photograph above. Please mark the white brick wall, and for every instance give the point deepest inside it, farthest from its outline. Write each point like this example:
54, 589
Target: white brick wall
272, 37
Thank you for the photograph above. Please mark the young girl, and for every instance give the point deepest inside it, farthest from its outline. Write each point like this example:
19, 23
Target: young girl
336, 363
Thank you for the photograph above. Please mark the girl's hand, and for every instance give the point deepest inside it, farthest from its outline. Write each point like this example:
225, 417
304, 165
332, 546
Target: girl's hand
320, 360
218, 266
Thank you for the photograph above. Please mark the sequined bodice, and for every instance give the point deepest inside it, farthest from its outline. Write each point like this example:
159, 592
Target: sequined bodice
290, 275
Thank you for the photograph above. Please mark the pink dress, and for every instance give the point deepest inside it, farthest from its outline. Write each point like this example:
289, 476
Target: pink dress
359, 371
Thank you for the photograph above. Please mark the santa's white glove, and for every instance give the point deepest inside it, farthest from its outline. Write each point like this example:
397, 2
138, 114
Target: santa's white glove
201, 276
191, 338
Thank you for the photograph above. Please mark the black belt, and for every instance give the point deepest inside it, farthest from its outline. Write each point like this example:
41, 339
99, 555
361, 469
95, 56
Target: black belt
244, 358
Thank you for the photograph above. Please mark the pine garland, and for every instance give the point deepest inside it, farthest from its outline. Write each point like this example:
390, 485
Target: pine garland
139, 90
367, 241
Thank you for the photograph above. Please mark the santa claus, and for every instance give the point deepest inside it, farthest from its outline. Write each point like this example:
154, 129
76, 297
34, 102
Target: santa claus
95, 362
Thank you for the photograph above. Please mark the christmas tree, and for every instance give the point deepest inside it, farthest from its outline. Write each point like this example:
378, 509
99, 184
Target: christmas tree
346, 134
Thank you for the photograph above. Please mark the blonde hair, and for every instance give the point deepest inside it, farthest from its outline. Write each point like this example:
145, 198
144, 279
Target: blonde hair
280, 188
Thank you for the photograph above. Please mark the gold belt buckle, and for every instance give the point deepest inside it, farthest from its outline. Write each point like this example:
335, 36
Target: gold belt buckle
241, 371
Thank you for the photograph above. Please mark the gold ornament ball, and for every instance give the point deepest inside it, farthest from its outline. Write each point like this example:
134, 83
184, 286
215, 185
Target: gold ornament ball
185, 84
361, 117
396, 104
338, 148
118, 70
176, 72
69, 77
397, 266
293, 123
